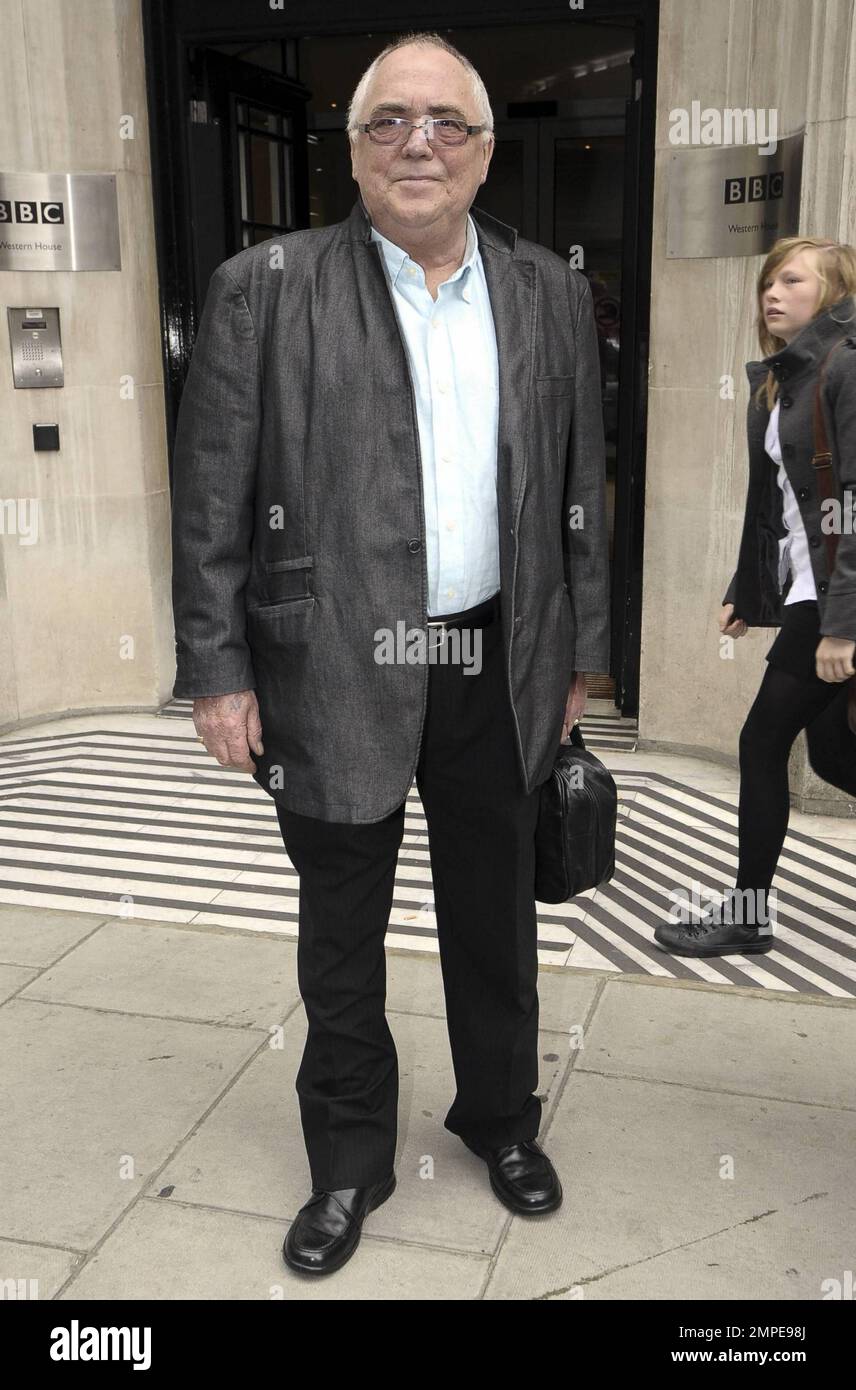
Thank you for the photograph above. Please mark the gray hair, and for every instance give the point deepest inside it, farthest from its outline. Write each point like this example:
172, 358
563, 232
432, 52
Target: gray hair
421, 40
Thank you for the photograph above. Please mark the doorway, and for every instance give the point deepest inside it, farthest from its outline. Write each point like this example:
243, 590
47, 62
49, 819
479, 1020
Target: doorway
248, 158
263, 150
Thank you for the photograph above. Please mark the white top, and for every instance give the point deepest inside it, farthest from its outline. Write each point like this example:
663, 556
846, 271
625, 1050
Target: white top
451, 345
793, 547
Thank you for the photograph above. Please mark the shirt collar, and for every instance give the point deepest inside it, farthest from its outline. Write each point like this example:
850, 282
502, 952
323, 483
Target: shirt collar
397, 258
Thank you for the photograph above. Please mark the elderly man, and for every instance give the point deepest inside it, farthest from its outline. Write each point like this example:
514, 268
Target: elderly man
393, 425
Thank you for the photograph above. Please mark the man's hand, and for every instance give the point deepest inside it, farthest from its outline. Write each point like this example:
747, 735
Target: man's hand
833, 660
229, 726
728, 625
575, 704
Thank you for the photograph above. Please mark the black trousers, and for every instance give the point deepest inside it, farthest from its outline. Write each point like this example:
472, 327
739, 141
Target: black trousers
481, 831
792, 697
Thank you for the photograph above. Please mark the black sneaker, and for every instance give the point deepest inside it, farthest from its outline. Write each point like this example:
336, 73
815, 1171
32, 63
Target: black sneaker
708, 935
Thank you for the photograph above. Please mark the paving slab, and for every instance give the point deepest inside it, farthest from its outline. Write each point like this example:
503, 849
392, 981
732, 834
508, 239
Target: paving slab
13, 978
759, 1043
39, 936
646, 1169
164, 1251
92, 1103
34, 1273
212, 976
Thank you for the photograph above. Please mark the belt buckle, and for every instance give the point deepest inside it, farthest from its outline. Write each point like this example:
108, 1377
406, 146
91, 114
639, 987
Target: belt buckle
440, 624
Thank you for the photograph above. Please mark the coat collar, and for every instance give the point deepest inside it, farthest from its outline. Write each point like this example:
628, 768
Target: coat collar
396, 258
810, 345
491, 232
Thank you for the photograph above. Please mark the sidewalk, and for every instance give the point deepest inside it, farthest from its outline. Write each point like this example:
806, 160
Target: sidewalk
704, 1134
701, 1114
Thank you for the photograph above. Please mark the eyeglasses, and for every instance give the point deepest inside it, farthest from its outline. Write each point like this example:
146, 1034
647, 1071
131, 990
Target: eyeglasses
441, 130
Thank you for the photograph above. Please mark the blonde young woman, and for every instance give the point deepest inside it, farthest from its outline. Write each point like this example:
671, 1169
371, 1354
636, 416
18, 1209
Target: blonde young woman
805, 305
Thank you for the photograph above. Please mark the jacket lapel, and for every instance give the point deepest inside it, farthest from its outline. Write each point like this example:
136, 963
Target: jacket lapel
511, 287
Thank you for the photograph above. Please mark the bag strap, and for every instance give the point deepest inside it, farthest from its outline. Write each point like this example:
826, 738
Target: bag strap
821, 460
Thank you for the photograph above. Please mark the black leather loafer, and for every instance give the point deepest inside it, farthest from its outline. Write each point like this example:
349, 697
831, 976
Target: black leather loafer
522, 1176
326, 1231
708, 936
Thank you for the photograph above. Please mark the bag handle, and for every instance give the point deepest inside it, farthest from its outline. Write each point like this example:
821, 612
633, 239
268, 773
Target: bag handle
575, 738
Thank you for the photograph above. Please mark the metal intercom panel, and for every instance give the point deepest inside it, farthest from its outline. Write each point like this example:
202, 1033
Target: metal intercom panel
36, 347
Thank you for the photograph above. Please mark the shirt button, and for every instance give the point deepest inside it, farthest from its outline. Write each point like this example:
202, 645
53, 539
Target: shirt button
814, 541
446, 458
414, 545
442, 387
450, 593
450, 525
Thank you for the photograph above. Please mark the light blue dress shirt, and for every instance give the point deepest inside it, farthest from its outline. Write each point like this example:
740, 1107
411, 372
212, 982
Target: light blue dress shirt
451, 347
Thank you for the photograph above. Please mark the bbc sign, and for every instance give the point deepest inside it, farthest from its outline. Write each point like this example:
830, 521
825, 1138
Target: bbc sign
725, 200
29, 213
39, 213
758, 188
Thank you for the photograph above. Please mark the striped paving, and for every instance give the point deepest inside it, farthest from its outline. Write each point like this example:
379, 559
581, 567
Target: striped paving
132, 817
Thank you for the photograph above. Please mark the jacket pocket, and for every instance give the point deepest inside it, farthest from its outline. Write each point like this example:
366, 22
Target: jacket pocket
769, 592
554, 413
288, 581
555, 385
288, 621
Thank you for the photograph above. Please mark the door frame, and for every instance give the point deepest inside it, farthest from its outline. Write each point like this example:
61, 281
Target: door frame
170, 27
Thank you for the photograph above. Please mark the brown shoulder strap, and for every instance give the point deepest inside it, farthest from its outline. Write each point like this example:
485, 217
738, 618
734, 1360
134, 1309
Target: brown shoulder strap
822, 458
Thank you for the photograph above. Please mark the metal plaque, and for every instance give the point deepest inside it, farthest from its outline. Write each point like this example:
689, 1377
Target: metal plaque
59, 222
733, 201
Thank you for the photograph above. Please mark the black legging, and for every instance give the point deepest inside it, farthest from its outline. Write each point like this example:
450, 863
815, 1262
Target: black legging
784, 705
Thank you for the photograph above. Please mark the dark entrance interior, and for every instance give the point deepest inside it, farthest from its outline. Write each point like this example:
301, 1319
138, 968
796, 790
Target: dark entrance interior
248, 136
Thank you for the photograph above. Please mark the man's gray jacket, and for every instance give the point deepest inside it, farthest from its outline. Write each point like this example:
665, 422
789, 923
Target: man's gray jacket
298, 525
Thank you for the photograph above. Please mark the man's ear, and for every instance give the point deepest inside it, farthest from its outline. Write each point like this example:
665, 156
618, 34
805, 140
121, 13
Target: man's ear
489, 147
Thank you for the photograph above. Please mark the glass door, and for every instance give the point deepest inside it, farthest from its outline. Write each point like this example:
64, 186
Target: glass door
248, 158
561, 182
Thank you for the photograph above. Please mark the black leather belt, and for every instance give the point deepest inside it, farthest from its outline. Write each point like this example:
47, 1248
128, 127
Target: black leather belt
482, 615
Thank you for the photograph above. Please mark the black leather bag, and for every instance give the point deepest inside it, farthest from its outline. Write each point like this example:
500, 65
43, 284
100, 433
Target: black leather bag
575, 833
